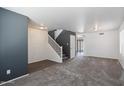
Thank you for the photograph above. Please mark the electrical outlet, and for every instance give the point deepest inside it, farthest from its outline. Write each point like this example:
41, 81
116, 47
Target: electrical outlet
67, 44
8, 71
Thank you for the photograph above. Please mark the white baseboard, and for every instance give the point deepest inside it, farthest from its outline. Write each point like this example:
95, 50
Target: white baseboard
14, 79
121, 64
121, 61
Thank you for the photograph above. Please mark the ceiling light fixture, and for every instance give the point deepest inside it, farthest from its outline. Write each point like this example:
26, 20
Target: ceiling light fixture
41, 27
96, 27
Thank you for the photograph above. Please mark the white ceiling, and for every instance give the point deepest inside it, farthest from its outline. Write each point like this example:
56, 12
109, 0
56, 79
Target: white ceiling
74, 18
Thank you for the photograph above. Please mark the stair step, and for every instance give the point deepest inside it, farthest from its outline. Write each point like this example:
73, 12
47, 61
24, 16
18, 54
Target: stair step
65, 58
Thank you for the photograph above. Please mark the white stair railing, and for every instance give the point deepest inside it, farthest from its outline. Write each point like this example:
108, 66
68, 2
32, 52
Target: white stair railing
57, 32
55, 46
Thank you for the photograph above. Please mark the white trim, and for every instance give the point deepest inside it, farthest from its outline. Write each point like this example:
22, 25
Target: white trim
54, 41
61, 52
121, 63
14, 79
57, 33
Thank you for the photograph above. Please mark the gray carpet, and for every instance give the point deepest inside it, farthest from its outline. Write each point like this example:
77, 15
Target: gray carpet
80, 71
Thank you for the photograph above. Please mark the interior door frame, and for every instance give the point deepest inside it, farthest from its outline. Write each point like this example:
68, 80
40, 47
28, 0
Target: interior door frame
74, 48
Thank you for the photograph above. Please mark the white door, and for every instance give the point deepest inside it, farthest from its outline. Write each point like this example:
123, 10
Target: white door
72, 46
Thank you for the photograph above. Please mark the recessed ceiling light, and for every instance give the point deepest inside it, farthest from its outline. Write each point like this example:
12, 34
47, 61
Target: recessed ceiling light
41, 27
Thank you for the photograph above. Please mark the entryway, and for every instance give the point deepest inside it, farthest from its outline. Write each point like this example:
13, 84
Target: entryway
72, 46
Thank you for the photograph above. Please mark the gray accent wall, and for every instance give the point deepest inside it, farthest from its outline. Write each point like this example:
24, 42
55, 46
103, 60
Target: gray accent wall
52, 33
64, 40
13, 44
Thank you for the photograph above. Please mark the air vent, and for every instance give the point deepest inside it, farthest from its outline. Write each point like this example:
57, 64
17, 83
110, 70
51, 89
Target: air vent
101, 33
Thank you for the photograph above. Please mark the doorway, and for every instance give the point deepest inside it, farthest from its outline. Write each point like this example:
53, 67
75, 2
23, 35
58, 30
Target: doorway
80, 45
72, 46
80, 49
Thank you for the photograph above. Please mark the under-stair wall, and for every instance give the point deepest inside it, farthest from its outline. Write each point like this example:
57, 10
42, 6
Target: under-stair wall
52, 55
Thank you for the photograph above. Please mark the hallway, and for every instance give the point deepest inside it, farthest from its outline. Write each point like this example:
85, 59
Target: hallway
89, 71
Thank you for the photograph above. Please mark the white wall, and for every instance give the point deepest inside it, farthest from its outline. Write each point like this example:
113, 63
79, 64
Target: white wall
106, 46
121, 36
122, 47
37, 45
52, 55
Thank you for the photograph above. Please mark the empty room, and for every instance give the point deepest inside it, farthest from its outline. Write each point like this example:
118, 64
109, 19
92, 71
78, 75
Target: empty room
61, 46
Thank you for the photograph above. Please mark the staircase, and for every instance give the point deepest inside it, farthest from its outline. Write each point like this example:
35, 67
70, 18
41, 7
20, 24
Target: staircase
57, 33
56, 47
53, 35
